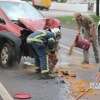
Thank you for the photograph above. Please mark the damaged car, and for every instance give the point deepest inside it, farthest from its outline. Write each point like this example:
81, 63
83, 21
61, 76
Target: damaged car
18, 19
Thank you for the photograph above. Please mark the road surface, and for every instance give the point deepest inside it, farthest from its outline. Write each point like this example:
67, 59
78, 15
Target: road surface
19, 80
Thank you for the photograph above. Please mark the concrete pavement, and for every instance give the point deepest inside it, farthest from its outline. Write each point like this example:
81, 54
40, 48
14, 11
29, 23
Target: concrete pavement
70, 6
56, 13
65, 9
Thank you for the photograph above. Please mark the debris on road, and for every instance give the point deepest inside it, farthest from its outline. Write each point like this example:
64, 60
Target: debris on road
65, 72
79, 89
22, 95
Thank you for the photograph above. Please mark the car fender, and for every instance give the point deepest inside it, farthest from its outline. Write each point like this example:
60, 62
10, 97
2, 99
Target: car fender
53, 23
12, 39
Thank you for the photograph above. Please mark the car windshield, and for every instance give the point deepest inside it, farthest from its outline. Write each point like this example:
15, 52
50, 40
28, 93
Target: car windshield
17, 10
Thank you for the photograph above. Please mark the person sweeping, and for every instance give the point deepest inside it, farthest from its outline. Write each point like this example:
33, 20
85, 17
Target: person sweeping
86, 28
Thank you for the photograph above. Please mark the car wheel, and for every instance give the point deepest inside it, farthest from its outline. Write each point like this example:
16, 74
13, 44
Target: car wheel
7, 55
99, 35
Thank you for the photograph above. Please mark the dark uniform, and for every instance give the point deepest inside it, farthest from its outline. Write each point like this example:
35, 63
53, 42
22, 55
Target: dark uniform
88, 30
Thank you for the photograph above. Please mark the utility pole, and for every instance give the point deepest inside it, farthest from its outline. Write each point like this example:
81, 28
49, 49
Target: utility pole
97, 7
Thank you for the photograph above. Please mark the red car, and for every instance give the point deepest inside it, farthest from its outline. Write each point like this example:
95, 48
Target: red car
18, 19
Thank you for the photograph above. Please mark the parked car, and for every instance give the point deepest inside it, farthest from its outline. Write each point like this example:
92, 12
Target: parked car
99, 32
18, 19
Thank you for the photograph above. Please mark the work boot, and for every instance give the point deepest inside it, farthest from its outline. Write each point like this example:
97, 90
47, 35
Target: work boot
45, 71
47, 76
38, 70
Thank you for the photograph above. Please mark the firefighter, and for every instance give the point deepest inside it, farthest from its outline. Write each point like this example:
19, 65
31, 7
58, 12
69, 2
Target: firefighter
43, 42
87, 28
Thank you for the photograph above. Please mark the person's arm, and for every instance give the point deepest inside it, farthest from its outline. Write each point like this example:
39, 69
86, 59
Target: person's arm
35, 38
92, 30
78, 29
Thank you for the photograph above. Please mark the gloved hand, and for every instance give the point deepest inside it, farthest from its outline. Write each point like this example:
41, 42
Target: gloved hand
29, 40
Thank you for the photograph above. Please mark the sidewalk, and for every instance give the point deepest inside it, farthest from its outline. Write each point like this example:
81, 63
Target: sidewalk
62, 9
84, 75
69, 6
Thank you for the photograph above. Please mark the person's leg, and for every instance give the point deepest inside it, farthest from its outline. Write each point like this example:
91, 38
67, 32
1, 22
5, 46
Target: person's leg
37, 61
95, 49
43, 58
85, 57
41, 51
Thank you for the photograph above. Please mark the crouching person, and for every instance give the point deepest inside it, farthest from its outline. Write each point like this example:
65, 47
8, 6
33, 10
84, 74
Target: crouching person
42, 42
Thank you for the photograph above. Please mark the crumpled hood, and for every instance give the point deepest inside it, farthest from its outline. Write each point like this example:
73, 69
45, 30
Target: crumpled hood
34, 24
15, 29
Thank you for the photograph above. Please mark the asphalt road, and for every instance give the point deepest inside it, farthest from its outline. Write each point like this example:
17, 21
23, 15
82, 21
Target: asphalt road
19, 79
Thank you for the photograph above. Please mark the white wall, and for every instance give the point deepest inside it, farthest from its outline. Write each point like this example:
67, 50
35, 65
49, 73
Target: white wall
94, 10
77, 1
70, 7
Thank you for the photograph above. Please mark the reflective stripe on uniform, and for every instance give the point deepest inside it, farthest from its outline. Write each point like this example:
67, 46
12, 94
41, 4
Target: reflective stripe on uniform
37, 37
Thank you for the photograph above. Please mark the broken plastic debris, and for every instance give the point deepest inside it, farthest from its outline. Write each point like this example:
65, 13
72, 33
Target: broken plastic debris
23, 95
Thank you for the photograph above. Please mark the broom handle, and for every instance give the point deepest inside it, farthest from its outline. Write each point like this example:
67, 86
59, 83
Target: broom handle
73, 45
82, 94
71, 49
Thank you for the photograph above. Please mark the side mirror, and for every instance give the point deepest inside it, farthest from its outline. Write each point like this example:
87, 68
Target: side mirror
2, 21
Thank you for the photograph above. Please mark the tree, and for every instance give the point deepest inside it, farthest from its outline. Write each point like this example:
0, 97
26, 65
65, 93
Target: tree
97, 7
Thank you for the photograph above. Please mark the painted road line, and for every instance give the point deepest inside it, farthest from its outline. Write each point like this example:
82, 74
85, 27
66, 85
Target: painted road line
4, 93
67, 47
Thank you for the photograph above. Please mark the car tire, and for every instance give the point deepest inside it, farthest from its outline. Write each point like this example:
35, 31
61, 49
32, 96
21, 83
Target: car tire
7, 56
99, 35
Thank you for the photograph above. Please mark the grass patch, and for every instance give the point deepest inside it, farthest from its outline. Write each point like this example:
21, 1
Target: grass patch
69, 22
95, 18
66, 21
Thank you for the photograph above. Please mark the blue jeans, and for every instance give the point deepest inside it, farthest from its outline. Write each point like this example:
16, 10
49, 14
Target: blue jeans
41, 59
